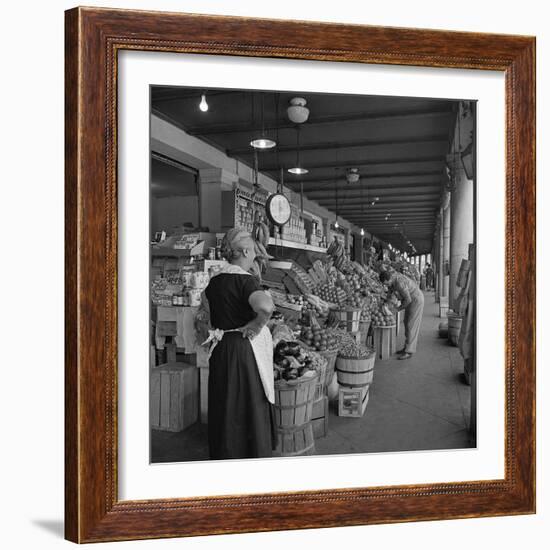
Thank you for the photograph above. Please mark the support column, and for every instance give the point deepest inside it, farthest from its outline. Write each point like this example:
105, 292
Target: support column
462, 223
445, 248
435, 258
211, 184
461, 167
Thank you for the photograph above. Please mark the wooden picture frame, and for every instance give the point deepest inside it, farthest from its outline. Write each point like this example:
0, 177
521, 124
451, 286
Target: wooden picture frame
93, 39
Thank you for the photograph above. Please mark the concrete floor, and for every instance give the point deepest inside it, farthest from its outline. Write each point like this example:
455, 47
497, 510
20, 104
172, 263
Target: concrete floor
422, 403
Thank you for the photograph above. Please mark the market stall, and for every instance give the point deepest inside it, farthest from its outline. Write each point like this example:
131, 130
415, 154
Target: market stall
333, 319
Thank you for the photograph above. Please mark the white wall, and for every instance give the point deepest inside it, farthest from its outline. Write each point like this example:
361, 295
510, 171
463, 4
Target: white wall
32, 304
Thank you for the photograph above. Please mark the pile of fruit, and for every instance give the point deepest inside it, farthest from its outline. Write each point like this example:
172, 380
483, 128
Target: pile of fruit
296, 299
354, 280
316, 305
352, 350
332, 293
356, 300
370, 306
294, 364
318, 338
383, 317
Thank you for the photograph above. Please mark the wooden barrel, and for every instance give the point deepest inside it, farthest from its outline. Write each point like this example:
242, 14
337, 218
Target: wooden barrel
355, 373
295, 442
294, 402
385, 342
349, 318
455, 323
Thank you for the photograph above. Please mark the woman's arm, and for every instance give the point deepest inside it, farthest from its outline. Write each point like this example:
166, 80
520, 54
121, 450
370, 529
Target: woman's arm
262, 304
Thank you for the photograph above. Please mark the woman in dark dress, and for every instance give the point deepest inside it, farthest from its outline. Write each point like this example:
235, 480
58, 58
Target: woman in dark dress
240, 418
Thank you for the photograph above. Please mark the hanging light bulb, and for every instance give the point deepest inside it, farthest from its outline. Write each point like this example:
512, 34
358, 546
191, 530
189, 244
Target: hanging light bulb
203, 106
263, 142
336, 224
362, 232
298, 169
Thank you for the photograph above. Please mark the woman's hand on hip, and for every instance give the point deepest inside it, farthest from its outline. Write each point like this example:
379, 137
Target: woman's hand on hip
250, 330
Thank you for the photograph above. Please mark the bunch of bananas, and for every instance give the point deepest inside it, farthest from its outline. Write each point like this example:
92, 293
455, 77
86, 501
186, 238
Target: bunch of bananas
260, 234
337, 252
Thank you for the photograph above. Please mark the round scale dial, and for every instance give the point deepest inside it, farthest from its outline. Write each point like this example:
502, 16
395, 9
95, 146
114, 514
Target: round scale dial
278, 209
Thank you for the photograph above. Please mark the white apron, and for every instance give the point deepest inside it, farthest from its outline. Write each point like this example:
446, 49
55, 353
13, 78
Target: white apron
262, 346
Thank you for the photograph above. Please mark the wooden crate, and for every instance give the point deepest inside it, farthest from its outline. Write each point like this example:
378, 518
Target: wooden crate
352, 402
174, 394
319, 417
384, 341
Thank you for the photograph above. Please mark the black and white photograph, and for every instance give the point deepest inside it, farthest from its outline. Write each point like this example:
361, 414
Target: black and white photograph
312, 274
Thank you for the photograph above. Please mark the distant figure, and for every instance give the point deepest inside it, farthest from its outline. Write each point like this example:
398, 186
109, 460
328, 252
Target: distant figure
429, 274
412, 301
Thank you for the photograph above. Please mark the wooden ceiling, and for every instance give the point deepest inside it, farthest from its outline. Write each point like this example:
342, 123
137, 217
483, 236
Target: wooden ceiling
399, 146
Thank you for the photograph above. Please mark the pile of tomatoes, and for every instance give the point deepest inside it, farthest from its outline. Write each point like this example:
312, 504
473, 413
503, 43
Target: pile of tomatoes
318, 338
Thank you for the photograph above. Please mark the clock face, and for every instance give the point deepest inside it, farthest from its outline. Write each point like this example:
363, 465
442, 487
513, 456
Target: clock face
278, 209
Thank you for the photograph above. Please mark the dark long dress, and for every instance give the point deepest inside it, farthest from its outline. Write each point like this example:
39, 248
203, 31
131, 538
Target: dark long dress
240, 422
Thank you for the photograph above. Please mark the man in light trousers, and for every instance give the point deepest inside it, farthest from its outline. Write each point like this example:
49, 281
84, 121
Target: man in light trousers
412, 301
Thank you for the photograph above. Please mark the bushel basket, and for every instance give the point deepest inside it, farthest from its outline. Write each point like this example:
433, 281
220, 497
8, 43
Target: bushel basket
355, 372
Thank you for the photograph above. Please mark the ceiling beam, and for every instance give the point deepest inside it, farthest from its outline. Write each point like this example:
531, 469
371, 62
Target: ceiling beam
364, 162
402, 174
397, 218
388, 227
417, 230
332, 145
419, 222
348, 195
235, 128
370, 189
385, 207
